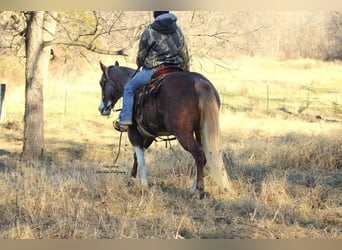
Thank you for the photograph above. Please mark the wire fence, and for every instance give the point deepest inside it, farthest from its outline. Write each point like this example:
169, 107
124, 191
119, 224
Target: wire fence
269, 96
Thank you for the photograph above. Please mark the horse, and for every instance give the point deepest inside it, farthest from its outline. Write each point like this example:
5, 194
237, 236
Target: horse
185, 105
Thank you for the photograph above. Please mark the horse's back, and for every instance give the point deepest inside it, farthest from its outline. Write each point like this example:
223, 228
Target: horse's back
185, 77
184, 84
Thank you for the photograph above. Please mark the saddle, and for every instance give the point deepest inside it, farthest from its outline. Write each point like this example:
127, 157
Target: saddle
147, 91
165, 69
151, 88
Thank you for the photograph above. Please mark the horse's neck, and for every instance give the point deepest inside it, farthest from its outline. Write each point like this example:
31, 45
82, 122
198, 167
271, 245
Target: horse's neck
130, 74
122, 76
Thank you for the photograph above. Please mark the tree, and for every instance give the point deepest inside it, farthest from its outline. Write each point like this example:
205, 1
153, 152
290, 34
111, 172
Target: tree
334, 51
41, 27
82, 29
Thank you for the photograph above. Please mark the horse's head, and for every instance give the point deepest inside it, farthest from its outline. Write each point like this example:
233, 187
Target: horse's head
108, 88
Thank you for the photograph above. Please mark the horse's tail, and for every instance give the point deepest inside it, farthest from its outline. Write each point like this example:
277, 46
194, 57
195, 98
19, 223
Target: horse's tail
209, 132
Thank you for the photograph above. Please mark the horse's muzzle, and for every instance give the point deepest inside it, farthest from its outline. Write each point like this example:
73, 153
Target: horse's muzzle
105, 109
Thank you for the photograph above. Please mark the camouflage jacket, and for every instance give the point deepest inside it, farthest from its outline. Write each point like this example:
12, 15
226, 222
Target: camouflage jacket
162, 42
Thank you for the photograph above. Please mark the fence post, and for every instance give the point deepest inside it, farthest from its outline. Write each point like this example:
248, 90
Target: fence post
2, 101
268, 98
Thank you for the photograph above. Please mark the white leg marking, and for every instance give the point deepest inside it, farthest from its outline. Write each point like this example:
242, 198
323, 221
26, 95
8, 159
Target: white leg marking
194, 186
141, 164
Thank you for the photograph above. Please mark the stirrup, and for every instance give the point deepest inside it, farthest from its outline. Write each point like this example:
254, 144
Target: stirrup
120, 127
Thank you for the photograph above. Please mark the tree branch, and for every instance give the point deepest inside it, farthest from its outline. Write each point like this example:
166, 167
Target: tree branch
224, 35
88, 46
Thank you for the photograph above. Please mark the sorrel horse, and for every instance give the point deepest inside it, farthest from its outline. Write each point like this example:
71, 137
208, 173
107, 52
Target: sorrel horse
186, 105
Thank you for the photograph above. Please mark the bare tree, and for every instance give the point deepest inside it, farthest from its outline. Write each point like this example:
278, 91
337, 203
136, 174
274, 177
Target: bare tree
37, 30
40, 29
334, 26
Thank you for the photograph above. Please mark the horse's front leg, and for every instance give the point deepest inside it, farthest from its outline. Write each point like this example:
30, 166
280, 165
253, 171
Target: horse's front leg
135, 167
131, 181
140, 160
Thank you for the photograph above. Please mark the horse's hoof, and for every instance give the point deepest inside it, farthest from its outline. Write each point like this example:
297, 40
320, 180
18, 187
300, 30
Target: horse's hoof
144, 183
203, 194
131, 182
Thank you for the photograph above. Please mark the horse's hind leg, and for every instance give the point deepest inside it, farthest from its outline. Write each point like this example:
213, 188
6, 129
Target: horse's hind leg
191, 145
194, 185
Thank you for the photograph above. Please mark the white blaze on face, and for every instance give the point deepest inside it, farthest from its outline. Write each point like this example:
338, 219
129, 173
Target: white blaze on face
102, 108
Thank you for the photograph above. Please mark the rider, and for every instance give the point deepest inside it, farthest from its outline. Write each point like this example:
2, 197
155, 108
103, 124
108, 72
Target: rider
161, 43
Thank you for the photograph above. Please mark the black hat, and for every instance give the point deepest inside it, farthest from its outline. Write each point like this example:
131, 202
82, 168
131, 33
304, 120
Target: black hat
158, 13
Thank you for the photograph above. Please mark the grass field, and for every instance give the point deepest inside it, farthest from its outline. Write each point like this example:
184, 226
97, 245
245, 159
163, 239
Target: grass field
281, 142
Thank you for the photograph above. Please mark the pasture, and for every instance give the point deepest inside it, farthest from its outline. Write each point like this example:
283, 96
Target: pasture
281, 140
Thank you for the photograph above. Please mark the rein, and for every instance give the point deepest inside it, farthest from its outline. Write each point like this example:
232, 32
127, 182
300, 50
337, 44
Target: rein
166, 140
118, 153
136, 71
161, 139
117, 110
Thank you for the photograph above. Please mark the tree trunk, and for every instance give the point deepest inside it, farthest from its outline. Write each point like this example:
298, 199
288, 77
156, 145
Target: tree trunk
40, 28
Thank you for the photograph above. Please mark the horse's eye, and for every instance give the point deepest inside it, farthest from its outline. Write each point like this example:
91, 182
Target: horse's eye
103, 81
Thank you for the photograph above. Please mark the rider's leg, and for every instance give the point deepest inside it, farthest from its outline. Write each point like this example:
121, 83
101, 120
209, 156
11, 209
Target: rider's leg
132, 85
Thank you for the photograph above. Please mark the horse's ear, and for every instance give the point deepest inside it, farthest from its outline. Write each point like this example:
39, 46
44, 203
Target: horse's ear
116, 63
103, 67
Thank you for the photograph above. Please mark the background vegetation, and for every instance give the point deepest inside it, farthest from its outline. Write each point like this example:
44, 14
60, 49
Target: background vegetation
281, 136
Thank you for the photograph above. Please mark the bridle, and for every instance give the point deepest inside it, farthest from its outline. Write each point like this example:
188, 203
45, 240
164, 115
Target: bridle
109, 105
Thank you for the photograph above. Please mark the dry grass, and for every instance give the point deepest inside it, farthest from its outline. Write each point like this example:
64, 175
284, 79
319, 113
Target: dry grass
286, 169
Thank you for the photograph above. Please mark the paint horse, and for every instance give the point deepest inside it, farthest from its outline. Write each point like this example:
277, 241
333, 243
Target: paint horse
185, 105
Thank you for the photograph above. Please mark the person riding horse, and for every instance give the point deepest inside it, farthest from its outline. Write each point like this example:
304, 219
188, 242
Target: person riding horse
161, 43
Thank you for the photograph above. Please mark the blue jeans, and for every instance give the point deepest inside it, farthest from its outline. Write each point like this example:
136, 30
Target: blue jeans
142, 77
